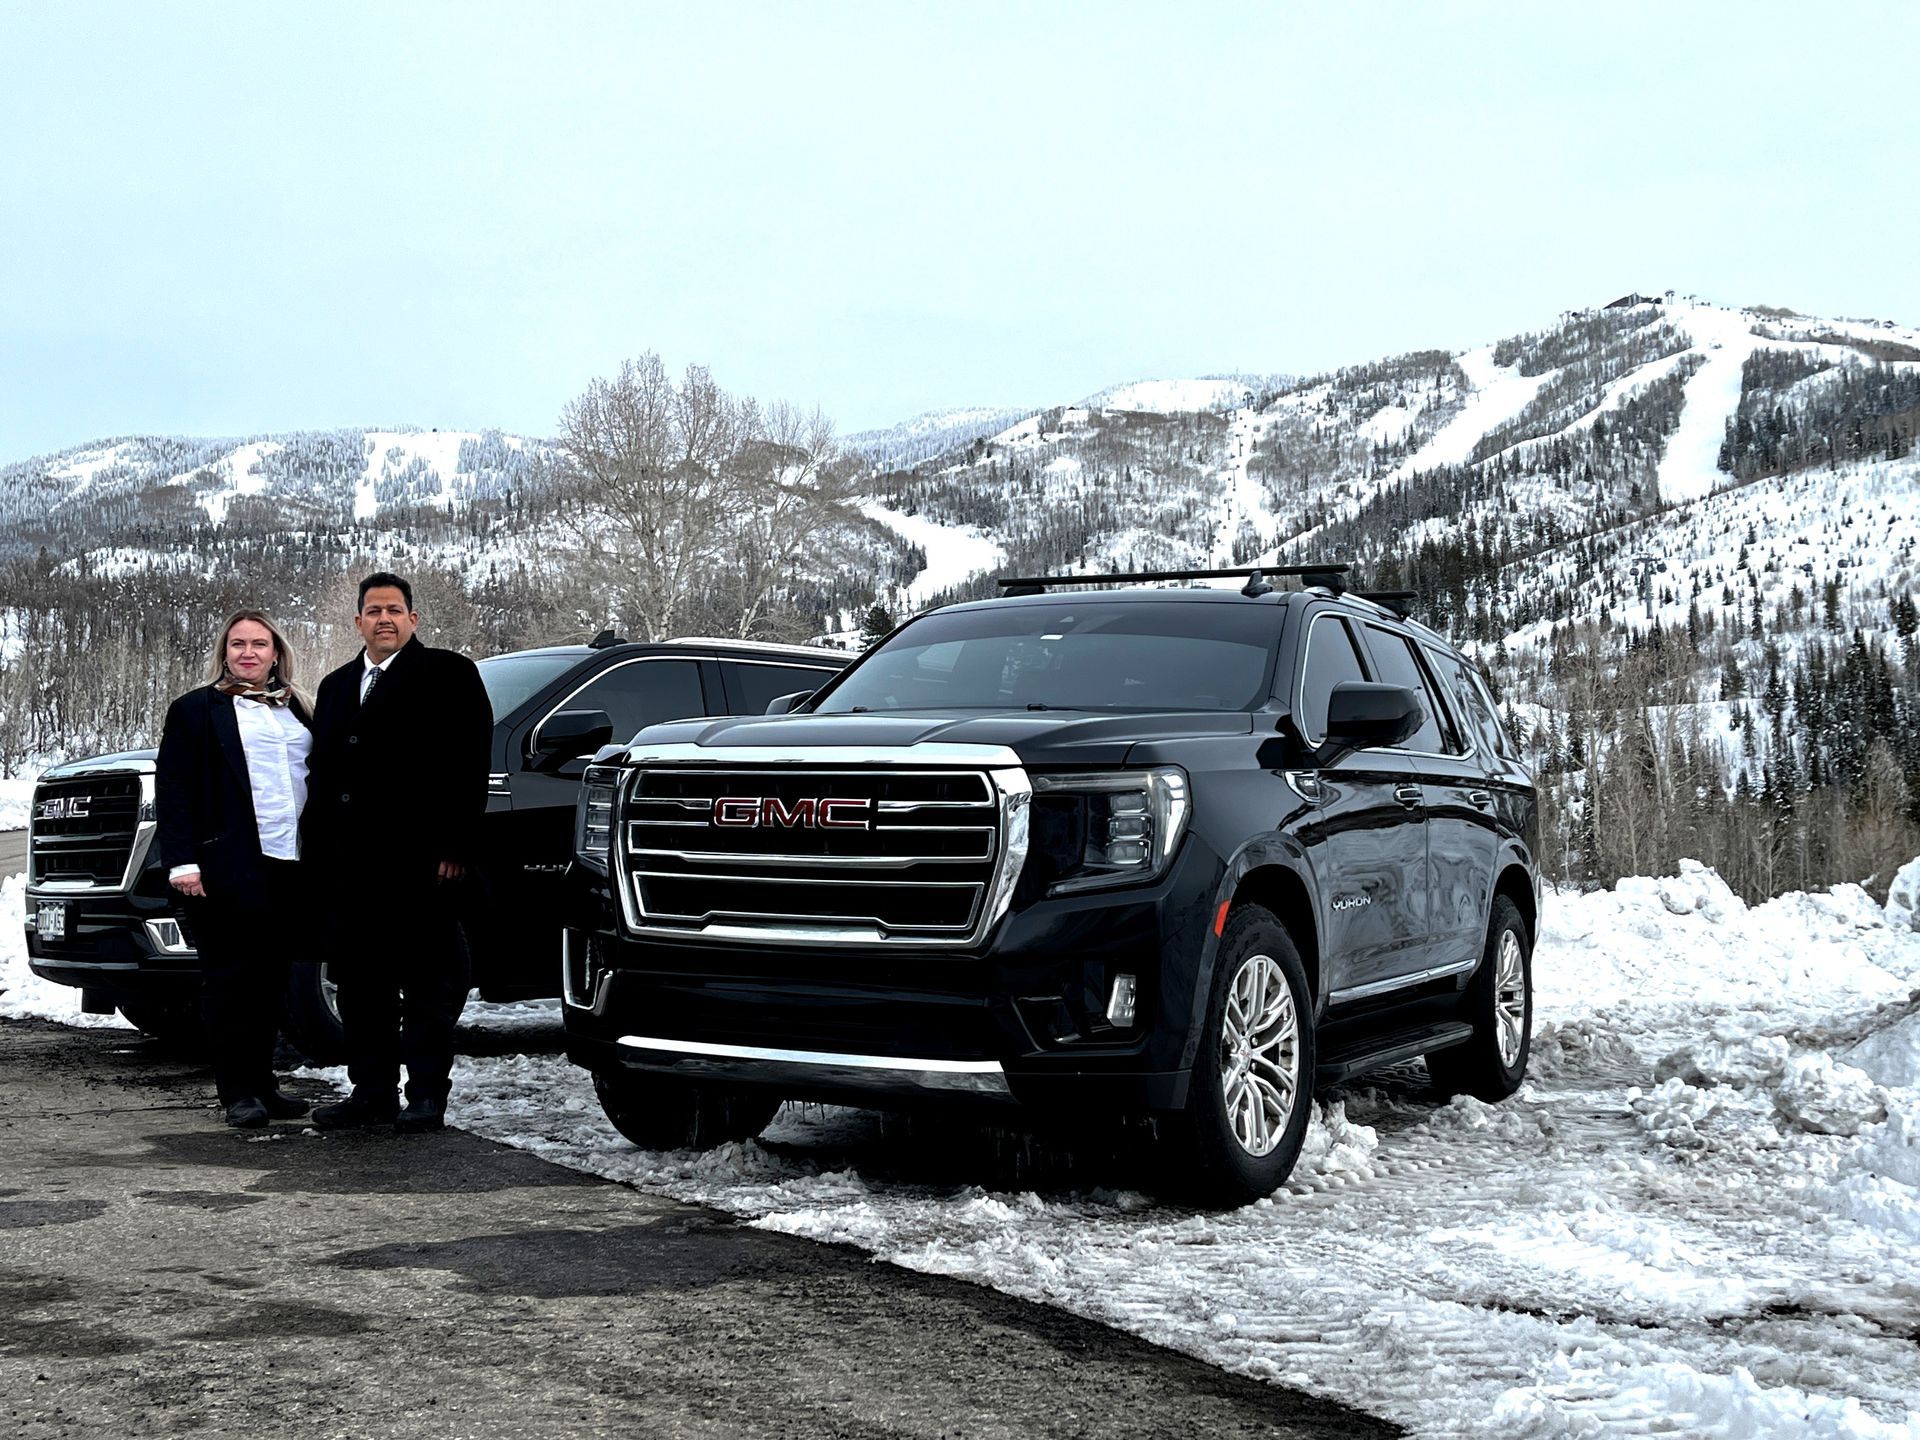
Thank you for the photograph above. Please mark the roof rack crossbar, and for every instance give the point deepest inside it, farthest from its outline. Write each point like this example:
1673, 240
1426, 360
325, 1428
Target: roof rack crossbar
1400, 602
1034, 584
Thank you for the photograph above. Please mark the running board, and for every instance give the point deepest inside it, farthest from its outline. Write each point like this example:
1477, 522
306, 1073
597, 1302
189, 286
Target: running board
1389, 1049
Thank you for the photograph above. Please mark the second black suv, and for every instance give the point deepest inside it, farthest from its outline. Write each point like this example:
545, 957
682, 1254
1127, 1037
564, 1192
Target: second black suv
1174, 854
101, 916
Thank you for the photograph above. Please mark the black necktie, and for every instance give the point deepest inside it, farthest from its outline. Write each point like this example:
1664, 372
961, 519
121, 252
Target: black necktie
373, 679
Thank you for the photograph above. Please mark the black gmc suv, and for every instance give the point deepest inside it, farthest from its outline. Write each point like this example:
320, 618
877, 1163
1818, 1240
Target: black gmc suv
101, 916
1173, 856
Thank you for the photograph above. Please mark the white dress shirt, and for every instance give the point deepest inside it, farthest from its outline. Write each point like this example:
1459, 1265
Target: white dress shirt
276, 746
367, 667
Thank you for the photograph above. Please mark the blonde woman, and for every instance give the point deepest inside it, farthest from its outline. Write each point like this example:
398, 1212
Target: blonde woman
231, 784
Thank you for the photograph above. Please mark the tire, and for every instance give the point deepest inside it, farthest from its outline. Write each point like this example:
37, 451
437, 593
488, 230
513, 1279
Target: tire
311, 1020
1251, 1094
1499, 1004
177, 1021
656, 1113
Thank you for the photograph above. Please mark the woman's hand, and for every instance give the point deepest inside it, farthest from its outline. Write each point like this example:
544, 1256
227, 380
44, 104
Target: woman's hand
189, 884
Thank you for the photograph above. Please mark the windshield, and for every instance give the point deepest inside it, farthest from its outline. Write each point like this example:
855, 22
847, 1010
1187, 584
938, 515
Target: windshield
512, 679
1183, 655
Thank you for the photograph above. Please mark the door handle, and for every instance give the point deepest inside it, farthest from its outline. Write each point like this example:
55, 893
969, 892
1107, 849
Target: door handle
1479, 797
1408, 795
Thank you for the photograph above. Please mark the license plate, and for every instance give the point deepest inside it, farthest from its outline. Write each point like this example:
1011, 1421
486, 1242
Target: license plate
51, 920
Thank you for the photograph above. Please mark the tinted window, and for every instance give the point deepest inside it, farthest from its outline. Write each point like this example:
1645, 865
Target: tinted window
512, 680
1100, 655
1394, 655
642, 693
1475, 704
752, 687
1331, 659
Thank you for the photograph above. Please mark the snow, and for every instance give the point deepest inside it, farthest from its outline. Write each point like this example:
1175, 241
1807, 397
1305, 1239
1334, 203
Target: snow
239, 470
16, 796
1170, 397
1496, 396
1606, 1253
954, 552
439, 450
1690, 465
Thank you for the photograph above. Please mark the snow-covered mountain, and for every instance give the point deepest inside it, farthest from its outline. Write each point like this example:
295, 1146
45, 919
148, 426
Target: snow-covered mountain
1704, 513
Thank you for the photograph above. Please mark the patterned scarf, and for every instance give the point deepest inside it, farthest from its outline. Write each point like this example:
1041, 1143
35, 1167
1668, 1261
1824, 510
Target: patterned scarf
274, 692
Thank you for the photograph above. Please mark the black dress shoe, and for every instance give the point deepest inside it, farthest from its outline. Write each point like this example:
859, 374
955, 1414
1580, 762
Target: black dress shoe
357, 1110
420, 1116
246, 1113
283, 1107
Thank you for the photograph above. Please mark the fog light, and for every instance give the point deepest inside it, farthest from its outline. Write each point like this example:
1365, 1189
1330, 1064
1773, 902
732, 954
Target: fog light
167, 937
1120, 1004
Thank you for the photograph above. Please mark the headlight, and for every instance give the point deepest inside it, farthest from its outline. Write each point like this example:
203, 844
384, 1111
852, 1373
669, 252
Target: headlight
593, 816
1114, 828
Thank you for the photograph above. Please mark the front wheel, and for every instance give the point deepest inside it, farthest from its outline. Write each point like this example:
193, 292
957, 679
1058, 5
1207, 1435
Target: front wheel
1491, 1065
1252, 1088
656, 1113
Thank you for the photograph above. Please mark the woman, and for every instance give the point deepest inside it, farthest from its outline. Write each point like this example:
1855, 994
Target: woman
232, 781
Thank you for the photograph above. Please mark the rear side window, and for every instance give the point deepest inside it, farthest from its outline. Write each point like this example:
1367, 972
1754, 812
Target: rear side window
1398, 666
1475, 704
1331, 660
752, 686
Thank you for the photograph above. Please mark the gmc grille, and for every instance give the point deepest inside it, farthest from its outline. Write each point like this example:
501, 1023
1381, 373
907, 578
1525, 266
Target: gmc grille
899, 856
84, 830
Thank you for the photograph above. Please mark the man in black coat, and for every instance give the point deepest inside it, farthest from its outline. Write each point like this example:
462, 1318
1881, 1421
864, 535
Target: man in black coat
397, 783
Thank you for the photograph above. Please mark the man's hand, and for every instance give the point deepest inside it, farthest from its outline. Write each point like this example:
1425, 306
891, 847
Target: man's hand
189, 884
452, 870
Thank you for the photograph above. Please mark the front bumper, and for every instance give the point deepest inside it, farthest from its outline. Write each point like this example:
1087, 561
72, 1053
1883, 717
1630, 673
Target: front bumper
116, 945
1026, 1018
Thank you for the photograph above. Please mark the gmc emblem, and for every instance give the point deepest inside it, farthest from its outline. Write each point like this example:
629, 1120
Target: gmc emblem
827, 813
65, 807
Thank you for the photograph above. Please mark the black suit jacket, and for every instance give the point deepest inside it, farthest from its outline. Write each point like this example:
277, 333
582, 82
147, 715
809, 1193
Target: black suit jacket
399, 784
203, 795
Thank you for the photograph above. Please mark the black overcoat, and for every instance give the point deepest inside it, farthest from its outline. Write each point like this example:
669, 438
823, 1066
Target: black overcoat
398, 785
203, 796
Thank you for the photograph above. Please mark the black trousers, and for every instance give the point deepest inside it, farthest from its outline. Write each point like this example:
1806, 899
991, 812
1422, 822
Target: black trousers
402, 974
247, 944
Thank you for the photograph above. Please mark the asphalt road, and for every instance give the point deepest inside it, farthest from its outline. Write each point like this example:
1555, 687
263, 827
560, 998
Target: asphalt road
162, 1275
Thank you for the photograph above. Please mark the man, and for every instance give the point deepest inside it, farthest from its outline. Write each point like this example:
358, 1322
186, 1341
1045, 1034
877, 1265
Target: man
397, 782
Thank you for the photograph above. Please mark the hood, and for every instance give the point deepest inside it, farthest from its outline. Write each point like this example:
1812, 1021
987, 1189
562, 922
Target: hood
140, 761
1057, 737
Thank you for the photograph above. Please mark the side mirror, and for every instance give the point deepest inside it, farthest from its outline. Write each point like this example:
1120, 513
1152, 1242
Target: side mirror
787, 704
1362, 715
569, 734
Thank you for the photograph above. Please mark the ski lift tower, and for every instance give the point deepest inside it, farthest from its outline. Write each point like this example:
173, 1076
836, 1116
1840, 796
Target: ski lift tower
1645, 567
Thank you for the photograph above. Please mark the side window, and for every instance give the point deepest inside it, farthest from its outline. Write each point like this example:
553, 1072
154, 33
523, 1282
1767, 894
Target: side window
1474, 703
1394, 655
752, 686
642, 693
1455, 736
1331, 659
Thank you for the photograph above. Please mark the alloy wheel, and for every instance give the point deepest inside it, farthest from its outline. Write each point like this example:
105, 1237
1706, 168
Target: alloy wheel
1510, 999
1260, 1055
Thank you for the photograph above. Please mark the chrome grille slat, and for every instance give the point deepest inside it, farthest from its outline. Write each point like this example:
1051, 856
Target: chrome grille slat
882, 879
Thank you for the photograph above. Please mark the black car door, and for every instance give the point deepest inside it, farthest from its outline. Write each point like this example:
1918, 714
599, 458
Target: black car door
1372, 859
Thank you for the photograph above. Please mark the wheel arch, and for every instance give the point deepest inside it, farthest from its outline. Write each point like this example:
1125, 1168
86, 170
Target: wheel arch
1516, 883
1280, 889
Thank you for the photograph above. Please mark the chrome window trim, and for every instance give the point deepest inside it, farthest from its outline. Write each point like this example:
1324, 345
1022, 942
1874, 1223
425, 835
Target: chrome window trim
759, 647
533, 735
1306, 650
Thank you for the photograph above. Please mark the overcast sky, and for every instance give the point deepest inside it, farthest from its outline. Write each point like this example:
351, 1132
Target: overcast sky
226, 220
